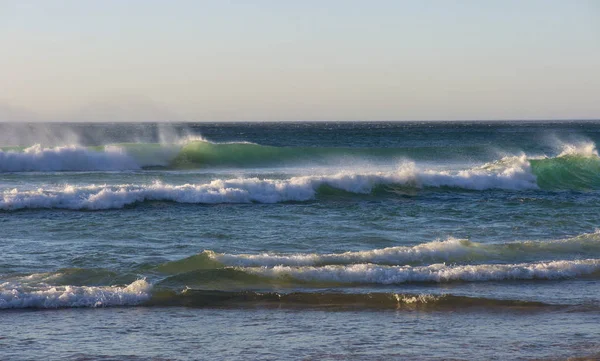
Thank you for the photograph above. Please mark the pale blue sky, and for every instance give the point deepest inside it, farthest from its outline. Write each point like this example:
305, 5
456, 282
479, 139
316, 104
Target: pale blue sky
115, 60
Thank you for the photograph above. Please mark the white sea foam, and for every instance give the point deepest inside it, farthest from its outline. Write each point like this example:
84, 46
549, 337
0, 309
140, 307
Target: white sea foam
450, 250
20, 295
245, 190
67, 158
377, 274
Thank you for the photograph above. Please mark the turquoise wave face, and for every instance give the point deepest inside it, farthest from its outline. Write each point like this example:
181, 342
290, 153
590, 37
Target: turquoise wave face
569, 172
207, 154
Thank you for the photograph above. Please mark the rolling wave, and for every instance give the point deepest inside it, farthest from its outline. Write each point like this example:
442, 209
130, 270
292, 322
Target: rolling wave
25, 294
67, 158
189, 154
508, 175
61, 290
117, 157
378, 274
451, 251
21, 295
568, 172
436, 273
248, 190
577, 167
398, 301
434, 262
235, 280
140, 293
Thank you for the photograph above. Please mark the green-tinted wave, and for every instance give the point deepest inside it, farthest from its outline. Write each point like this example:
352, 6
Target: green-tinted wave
202, 154
220, 278
206, 154
569, 172
81, 277
196, 262
331, 300
577, 170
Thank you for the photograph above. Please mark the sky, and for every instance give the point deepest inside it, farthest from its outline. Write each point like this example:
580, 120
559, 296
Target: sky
150, 60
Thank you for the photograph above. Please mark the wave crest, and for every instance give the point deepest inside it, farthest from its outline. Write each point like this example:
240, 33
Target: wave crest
19, 295
576, 168
451, 250
67, 158
247, 190
436, 273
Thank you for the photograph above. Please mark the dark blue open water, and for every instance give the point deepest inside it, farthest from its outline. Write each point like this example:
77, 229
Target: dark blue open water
320, 241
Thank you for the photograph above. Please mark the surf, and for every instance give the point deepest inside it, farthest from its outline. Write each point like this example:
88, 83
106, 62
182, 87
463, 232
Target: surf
25, 295
436, 273
451, 250
315, 280
142, 294
266, 190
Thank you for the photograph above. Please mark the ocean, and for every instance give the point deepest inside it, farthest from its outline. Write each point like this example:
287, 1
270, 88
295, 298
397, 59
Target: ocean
300, 240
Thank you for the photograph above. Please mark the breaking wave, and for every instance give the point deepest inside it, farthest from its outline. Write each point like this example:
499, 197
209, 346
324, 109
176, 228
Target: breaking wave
247, 190
67, 158
336, 300
189, 153
451, 251
510, 175
38, 291
139, 293
25, 295
452, 260
314, 280
67, 289
436, 273
577, 167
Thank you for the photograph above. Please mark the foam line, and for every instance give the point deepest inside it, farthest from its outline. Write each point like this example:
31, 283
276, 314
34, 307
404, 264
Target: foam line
19, 295
439, 273
451, 250
246, 190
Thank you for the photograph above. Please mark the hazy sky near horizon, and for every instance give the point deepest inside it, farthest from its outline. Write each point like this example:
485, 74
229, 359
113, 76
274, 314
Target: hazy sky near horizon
150, 60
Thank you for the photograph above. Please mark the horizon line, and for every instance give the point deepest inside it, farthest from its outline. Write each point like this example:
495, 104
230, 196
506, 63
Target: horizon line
299, 121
